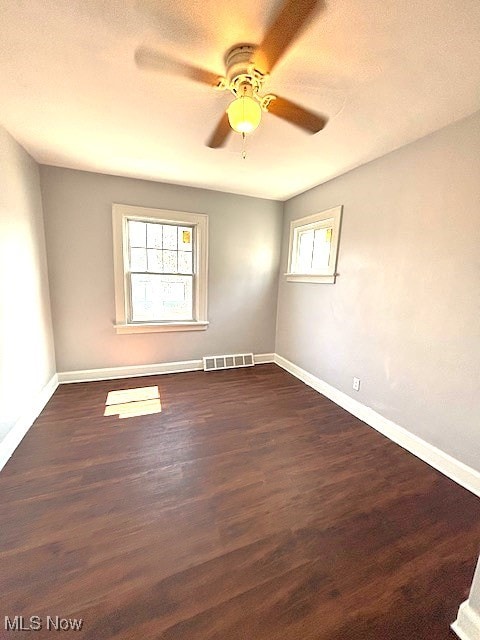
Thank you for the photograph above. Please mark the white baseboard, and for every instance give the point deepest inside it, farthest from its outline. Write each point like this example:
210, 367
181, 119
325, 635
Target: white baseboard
114, 373
467, 624
13, 438
446, 464
264, 358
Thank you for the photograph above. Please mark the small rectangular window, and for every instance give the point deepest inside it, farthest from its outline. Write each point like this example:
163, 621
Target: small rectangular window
313, 247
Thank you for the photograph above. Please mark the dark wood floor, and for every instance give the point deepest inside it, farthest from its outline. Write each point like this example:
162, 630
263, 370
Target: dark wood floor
251, 508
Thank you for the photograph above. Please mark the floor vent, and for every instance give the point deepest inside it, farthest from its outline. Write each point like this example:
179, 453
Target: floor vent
214, 363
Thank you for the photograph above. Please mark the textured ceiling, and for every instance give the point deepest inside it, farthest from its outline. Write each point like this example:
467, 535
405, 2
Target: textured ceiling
385, 73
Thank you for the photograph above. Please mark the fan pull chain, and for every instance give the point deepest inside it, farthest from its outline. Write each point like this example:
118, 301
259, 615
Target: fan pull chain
244, 152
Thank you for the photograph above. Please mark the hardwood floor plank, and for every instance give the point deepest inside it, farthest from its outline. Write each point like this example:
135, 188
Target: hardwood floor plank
251, 508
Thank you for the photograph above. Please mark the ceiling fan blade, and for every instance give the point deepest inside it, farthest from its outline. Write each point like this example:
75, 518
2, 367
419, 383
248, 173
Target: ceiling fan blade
292, 18
150, 59
221, 133
297, 115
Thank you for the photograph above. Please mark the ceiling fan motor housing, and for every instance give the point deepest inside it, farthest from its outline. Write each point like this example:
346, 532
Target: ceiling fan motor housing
242, 77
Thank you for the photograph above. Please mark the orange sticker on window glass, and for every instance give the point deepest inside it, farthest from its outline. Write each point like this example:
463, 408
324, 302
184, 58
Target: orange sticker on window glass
186, 237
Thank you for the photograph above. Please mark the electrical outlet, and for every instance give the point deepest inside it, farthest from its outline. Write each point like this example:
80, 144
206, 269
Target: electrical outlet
356, 384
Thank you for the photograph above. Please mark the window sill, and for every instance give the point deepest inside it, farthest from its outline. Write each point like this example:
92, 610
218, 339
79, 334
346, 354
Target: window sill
310, 277
160, 327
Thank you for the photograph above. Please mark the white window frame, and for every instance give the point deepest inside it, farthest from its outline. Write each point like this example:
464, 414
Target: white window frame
121, 213
330, 217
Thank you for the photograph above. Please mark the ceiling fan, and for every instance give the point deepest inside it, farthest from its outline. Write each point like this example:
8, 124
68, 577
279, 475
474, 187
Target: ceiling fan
247, 68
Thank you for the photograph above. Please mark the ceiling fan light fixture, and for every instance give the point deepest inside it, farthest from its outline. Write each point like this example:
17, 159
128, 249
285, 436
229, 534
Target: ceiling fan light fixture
244, 114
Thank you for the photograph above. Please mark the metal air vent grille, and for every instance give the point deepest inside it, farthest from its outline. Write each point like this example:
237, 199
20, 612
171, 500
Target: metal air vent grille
215, 363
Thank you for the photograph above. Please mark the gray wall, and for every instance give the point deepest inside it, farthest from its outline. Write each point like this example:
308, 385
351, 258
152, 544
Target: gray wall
27, 359
404, 315
244, 246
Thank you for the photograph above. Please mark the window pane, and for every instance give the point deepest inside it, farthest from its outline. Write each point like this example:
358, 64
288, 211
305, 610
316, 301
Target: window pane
137, 233
185, 262
170, 237
305, 251
170, 262
161, 298
138, 260
154, 236
321, 249
155, 262
185, 238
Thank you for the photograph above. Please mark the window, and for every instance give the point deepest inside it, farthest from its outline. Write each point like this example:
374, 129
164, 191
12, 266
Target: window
313, 247
160, 260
